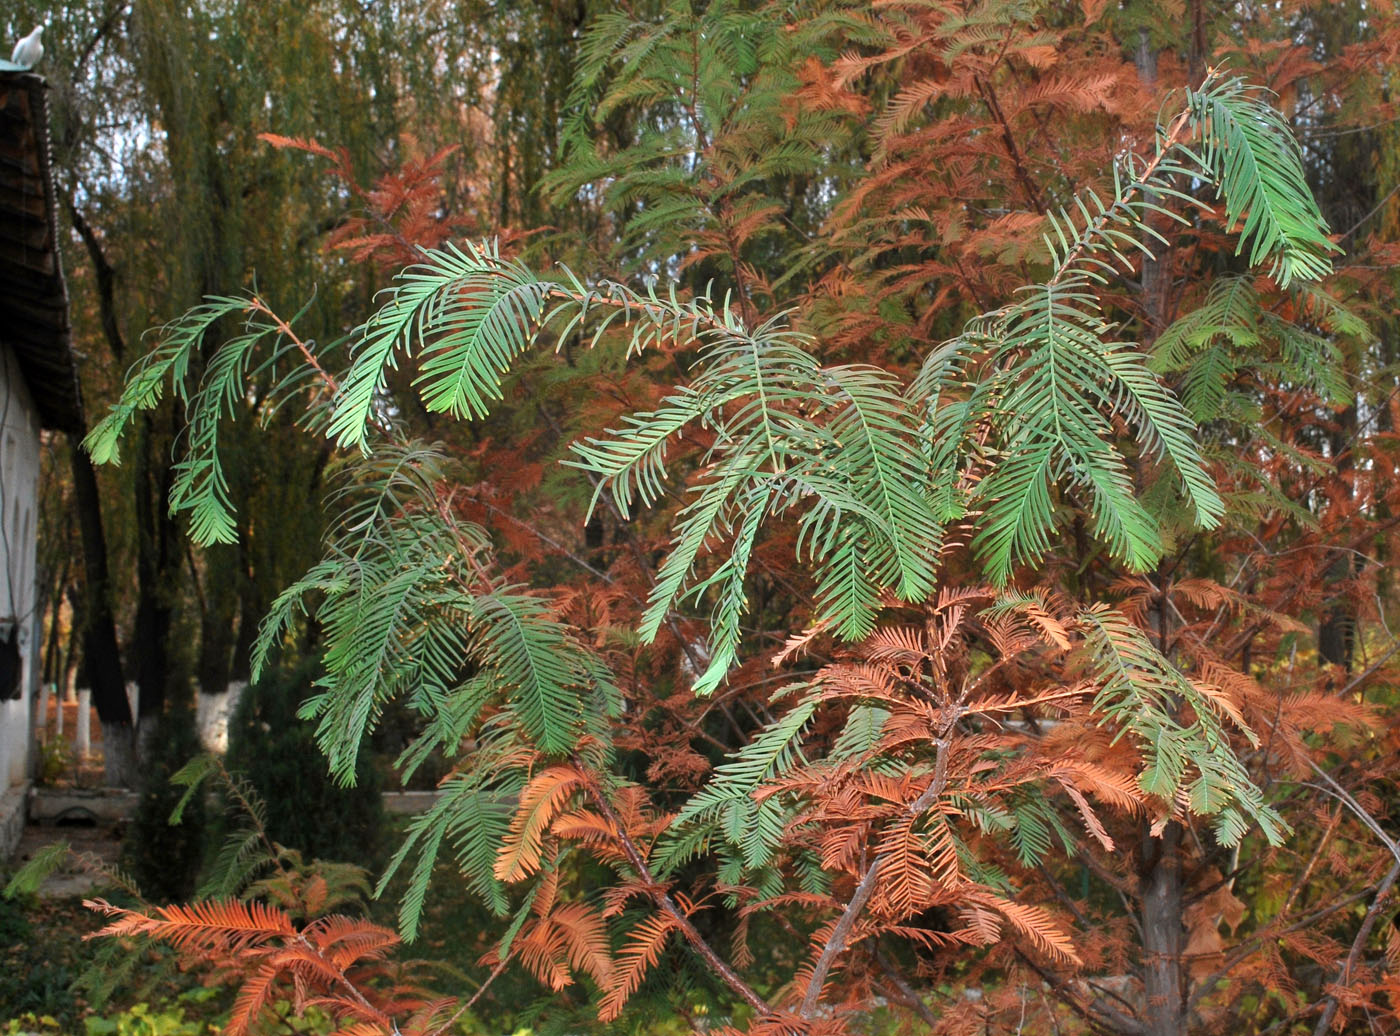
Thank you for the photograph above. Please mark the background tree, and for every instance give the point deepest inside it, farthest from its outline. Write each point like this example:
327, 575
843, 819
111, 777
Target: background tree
171, 194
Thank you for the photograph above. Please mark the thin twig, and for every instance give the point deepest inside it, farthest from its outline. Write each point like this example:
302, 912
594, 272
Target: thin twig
842, 931
1173, 137
668, 905
1329, 1012
464, 1008
906, 992
257, 305
1345, 798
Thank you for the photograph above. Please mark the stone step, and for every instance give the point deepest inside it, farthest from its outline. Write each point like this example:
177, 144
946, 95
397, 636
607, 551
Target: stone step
52, 806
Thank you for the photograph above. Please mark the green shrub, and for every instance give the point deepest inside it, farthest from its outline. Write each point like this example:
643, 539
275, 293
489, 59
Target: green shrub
165, 858
35, 970
55, 759
278, 754
140, 1019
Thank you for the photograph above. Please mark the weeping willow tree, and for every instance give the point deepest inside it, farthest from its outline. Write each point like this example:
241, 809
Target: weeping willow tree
158, 107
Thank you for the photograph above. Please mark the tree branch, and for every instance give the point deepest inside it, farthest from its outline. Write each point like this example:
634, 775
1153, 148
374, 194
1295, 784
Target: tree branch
668, 905
1324, 1022
105, 276
1097, 1012
837, 943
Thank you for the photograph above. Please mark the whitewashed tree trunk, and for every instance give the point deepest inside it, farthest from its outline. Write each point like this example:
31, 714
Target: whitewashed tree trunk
119, 755
84, 732
213, 712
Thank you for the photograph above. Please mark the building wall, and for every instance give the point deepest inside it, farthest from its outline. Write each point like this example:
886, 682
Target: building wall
19, 512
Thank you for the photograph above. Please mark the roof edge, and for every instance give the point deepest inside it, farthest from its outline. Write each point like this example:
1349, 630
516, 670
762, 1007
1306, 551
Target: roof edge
34, 316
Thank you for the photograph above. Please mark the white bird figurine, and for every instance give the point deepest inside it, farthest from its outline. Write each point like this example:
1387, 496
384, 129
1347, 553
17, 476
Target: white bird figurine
29, 50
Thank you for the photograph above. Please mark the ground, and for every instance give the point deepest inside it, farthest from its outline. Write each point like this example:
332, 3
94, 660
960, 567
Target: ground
101, 842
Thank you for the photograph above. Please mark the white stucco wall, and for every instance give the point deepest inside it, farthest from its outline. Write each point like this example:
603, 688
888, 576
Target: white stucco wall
19, 511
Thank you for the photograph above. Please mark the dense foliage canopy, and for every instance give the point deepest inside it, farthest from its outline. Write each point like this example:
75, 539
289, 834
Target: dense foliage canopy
880, 512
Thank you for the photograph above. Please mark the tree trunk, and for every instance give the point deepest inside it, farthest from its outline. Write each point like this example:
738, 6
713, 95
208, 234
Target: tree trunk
52, 659
102, 659
155, 530
250, 612
119, 765
217, 625
1155, 274
1336, 631
156, 556
1160, 888
1162, 932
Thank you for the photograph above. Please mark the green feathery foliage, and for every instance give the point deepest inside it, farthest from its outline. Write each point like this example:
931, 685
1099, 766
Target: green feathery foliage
727, 805
408, 610
217, 394
472, 814
1231, 332
36, 870
1141, 691
1257, 167
844, 448
1006, 429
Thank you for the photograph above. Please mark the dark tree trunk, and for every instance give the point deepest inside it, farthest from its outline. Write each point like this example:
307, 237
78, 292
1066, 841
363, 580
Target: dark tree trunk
155, 557
52, 648
216, 638
1162, 932
219, 623
156, 560
250, 613
1336, 629
102, 659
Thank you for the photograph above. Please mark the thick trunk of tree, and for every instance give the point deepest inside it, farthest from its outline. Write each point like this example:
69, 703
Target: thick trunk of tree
218, 622
155, 530
101, 656
1336, 631
250, 612
120, 768
1163, 935
156, 556
216, 645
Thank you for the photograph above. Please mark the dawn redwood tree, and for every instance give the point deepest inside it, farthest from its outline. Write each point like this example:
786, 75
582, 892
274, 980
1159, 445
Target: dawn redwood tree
1304, 477
934, 467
